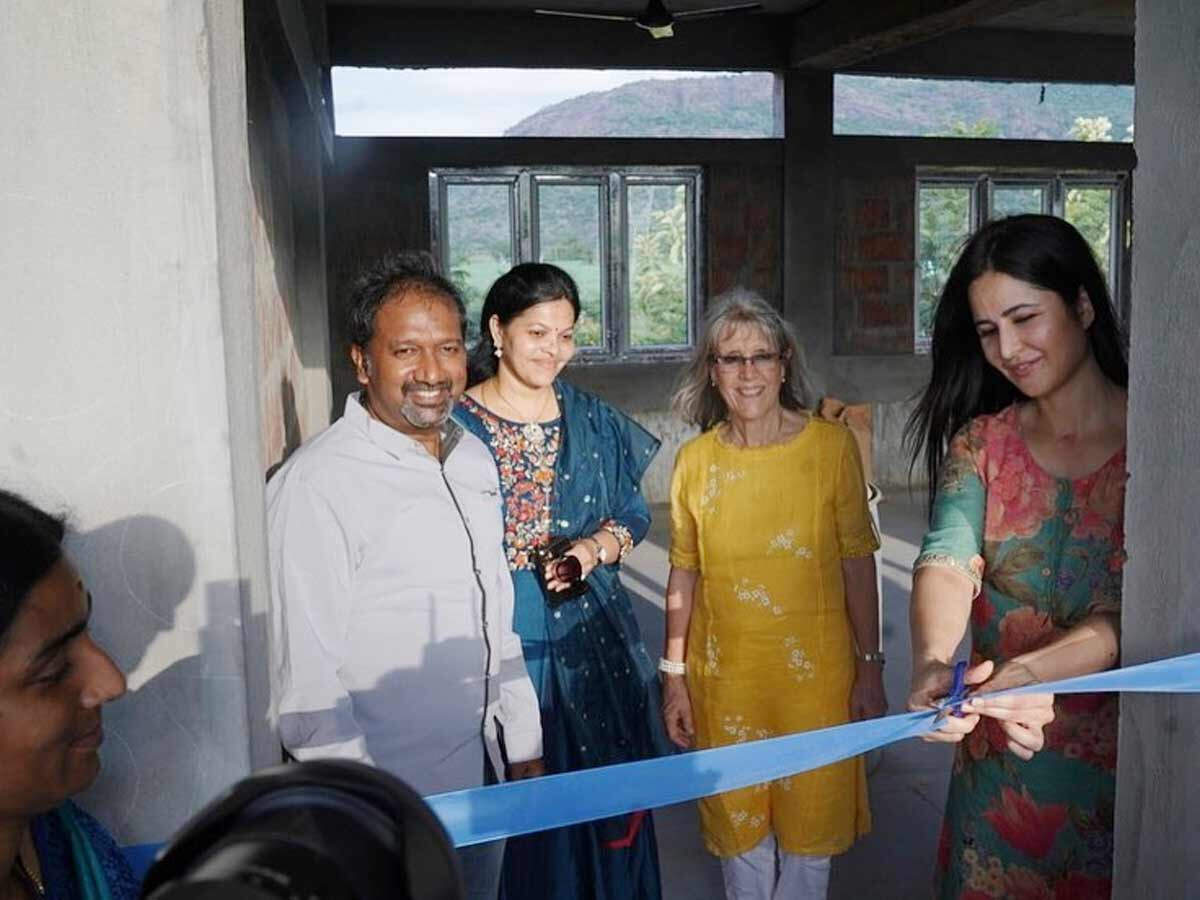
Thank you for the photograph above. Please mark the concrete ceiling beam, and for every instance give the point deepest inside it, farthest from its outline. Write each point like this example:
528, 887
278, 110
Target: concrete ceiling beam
839, 35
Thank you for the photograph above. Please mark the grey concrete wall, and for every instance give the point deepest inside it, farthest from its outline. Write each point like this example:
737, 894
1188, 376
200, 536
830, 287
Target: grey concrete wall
1158, 794
126, 263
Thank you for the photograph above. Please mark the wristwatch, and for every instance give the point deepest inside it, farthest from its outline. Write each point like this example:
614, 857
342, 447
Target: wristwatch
872, 656
601, 553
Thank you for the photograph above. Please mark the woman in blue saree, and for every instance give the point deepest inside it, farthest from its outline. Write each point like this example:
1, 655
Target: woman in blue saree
54, 680
570, 467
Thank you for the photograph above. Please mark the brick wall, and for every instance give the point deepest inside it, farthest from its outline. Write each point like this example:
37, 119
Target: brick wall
745, 228
873, 287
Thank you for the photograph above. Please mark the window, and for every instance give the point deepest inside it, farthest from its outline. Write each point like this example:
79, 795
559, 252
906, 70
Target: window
602, 103
629, 237
962, 108
951, 206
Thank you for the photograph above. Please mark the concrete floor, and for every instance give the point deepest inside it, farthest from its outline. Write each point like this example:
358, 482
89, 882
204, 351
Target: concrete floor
907, 780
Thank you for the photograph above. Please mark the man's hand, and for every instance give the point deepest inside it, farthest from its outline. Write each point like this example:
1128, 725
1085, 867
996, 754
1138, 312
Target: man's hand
867, 697
532, 768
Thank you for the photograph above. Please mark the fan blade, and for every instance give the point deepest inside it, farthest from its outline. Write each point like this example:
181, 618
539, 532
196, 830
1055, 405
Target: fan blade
583, 15
717, 10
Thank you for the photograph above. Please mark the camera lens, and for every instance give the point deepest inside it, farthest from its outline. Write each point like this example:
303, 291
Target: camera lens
328, 829
568, 568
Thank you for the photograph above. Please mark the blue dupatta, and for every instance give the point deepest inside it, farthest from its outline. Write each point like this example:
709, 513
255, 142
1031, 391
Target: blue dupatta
597, 688
79, 859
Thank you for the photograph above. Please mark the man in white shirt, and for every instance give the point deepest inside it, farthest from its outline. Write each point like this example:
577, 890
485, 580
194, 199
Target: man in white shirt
392, 604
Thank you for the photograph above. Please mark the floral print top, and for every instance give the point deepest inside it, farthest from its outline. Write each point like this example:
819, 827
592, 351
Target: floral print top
526, 454
525, 457
1043, 553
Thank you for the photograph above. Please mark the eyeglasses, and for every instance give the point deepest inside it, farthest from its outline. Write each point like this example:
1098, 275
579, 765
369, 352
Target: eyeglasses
734, 361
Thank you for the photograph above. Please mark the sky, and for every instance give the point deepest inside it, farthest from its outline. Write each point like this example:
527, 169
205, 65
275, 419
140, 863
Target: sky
463, 102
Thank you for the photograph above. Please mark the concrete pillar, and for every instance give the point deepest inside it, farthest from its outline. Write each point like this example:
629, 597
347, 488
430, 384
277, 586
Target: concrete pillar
809, 221
1158, 794
127, 379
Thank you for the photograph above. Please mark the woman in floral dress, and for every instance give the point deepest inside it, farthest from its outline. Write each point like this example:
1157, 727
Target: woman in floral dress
570, 466
1023, 433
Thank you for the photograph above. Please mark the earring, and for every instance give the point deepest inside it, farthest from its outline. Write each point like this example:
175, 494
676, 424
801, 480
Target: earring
498, 352
783, 379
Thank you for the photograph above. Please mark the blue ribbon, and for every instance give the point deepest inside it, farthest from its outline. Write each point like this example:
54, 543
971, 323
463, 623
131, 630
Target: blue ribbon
519, 807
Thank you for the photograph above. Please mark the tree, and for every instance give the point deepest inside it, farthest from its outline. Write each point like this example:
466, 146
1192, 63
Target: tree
658, 278
945, 222
982, 128
1096, 128
1090, 208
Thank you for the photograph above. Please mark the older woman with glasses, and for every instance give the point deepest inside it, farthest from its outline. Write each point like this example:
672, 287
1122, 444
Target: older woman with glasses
772, 616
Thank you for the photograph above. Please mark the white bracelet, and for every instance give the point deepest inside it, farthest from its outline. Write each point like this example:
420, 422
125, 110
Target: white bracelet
670, 667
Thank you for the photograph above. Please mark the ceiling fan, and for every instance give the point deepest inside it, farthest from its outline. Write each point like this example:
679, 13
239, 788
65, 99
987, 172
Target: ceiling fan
655, 18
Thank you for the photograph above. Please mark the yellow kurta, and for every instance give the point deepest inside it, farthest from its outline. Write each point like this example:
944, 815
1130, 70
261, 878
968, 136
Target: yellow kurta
770, 649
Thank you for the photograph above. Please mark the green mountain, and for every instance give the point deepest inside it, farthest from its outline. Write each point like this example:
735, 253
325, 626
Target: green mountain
743, 106
724, 106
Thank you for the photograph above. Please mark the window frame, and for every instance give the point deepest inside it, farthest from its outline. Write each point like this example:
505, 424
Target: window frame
614, 181
1055, 185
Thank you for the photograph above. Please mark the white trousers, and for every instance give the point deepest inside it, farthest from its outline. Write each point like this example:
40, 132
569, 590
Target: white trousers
758, 874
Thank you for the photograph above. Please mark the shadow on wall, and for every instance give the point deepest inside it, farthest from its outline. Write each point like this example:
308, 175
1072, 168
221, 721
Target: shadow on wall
172, 739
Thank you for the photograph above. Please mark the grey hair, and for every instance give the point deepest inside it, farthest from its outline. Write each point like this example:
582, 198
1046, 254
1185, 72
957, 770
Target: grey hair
697, 400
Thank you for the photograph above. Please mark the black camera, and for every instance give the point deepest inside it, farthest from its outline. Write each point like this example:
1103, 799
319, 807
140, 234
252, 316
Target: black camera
326, 829
553, 556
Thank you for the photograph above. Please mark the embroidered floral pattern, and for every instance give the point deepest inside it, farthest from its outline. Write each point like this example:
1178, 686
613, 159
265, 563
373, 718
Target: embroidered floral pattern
741, 731
785, 542
526, 469
717, 478
742, 819
755, 594
798, 664
712, 655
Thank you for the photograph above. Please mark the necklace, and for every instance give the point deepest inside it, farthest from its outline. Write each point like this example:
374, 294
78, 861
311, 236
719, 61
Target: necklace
31, 881
533, 432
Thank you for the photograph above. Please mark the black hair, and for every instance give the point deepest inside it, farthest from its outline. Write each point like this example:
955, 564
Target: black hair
388, 277
30, 546
521, 287
1043, 251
